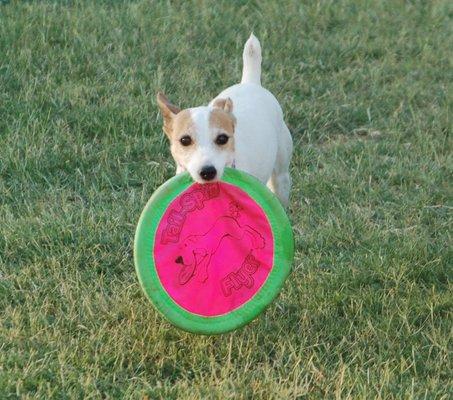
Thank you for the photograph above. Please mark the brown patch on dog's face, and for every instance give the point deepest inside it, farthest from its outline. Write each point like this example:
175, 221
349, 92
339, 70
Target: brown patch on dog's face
222, 120
221, 123
222, 128
182, 124
183, 127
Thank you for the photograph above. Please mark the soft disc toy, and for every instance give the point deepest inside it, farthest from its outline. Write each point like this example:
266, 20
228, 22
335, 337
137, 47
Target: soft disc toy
212, 256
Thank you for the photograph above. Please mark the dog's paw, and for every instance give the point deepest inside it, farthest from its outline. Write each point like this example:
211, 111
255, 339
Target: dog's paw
186, 274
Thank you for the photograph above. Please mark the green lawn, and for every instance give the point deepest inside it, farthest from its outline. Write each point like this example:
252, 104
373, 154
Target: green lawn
366, 87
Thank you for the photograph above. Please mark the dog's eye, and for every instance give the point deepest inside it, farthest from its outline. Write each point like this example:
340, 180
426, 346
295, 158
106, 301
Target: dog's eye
221, 139
186, 140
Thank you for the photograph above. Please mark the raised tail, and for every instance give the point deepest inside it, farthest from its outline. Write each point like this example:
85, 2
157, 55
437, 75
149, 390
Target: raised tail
251, 70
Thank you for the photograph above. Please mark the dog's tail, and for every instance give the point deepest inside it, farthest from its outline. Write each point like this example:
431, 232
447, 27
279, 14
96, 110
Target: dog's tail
251, 70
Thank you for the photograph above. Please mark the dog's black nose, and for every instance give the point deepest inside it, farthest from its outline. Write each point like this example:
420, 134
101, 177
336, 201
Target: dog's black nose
208, 173
179, 260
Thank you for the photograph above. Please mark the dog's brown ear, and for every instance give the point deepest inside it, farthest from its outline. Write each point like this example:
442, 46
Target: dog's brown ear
168, 111
224, 104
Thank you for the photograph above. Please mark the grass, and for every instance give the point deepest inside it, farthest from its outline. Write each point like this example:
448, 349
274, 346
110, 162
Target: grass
366, 90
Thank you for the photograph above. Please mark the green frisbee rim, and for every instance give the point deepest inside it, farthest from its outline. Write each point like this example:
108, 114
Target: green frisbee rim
156, 293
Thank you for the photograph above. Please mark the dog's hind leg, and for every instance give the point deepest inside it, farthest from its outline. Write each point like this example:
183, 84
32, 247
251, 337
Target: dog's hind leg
280, 180
203, 268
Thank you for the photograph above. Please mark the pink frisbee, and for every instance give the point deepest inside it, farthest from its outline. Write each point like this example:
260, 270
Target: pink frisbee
211, 257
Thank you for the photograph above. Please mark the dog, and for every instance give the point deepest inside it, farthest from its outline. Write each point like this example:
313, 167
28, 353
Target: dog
196, 251
243, 128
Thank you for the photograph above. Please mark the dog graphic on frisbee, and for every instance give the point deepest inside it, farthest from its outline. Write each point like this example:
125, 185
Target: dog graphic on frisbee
196, 251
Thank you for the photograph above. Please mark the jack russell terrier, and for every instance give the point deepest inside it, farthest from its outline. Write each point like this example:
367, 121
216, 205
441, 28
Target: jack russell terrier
242, 127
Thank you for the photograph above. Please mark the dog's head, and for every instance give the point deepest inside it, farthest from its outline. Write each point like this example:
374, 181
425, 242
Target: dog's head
189, 252
201, 138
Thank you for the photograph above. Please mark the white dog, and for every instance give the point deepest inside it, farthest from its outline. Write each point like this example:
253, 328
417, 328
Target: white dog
242, 127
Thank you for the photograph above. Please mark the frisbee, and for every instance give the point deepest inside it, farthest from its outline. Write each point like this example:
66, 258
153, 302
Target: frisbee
210, 257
